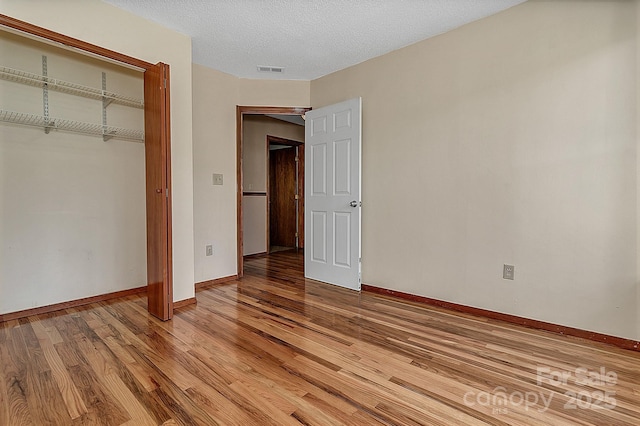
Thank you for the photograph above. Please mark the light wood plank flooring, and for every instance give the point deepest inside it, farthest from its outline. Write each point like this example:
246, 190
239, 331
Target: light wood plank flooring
275, 349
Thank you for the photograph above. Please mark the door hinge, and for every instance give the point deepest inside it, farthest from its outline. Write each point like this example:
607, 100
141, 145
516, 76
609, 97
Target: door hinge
165, 83
167, 193
296, 197
297, 235
297, 159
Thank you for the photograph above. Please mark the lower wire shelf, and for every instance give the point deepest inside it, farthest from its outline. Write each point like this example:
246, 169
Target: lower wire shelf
107, 132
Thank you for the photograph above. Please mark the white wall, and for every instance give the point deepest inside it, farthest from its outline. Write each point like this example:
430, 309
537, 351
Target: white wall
254, 220
214, 148
215, 97
509, 140
106, 26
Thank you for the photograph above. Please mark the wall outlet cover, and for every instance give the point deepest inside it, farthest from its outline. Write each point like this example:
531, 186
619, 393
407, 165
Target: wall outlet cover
508, 272
217, 179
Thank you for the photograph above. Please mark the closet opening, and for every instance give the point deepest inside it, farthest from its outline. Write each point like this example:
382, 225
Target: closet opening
156, 163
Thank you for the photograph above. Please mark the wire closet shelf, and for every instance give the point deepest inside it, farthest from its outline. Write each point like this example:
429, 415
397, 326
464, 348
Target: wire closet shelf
107, 132
49, 123
37, 80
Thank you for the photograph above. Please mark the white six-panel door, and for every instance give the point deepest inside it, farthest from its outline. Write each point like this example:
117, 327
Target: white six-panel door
333, 139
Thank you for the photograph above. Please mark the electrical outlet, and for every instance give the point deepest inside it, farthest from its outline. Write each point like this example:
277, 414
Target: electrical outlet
217, 179
209, 250
508, 272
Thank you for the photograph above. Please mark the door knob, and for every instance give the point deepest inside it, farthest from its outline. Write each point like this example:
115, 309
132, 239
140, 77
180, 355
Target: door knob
354, 203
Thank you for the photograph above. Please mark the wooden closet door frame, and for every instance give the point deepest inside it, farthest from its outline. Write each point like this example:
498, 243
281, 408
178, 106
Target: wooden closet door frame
163, 294
158, 191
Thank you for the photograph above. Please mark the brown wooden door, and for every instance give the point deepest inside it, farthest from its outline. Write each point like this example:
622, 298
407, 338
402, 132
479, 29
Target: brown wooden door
158, 172
282, 197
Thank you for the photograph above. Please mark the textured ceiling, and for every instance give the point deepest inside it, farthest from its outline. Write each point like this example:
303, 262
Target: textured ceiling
308, 38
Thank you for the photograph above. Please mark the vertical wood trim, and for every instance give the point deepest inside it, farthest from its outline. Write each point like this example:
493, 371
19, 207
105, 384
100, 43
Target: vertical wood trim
153, 130
301, 150
158, 191
269, 194
168, 264
239, 185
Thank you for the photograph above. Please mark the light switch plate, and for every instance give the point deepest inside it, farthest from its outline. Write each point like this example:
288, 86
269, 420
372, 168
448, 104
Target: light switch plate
217, 179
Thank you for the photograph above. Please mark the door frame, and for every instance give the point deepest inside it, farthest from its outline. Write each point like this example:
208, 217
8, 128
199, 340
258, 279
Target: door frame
160, 116
241, 111
299, 187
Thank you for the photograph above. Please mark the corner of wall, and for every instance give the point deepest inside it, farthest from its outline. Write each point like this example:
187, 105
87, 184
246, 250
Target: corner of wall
214, 147
215, 97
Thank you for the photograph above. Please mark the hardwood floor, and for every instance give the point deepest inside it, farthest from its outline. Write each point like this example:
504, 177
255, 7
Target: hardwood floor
275, 349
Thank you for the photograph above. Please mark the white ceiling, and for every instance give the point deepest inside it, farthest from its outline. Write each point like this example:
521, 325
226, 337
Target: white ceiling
309, 38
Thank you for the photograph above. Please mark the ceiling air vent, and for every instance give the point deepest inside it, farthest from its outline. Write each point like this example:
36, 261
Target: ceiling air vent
279, 70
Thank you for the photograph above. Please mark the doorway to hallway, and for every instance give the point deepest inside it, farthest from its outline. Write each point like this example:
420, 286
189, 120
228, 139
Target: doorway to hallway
252, 206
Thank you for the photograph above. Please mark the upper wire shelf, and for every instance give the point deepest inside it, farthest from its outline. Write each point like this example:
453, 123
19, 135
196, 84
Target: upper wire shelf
37, 80
107, 132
